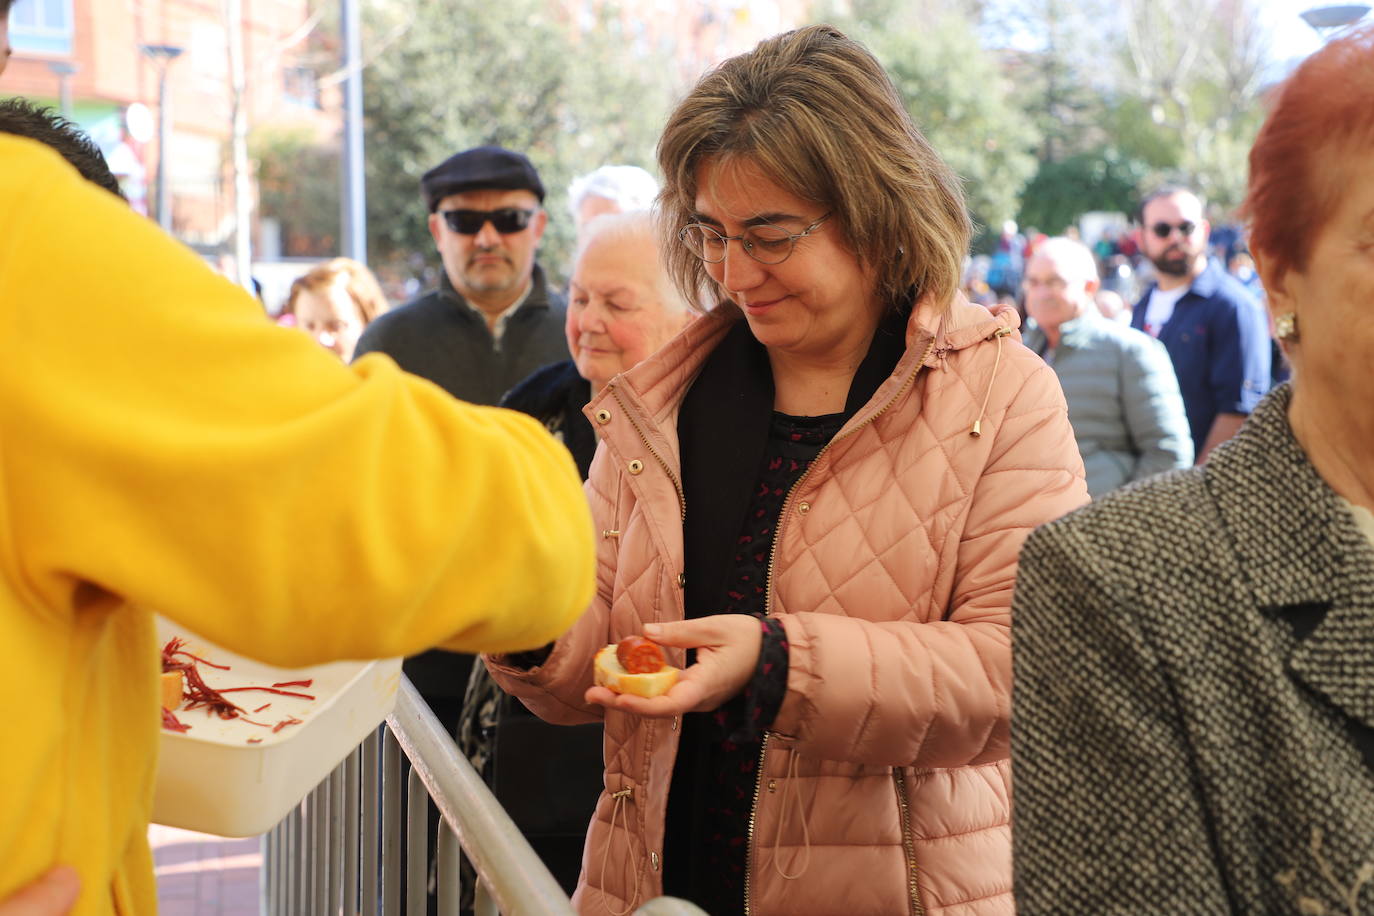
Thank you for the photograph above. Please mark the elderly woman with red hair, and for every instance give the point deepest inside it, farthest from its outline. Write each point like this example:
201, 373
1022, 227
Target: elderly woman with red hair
1193, 724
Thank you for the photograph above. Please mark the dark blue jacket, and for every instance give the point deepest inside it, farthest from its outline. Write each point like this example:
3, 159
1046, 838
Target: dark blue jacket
1218, 340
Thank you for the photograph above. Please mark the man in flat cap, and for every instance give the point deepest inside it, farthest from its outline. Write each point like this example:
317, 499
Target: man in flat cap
492, 321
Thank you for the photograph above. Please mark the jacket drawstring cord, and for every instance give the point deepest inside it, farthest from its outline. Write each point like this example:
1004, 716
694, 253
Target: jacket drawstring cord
790, 786
977, 430
619, 811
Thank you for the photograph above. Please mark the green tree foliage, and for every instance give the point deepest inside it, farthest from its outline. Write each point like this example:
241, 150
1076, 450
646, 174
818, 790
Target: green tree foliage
1065, 189
960, 99
445, 76
298, 186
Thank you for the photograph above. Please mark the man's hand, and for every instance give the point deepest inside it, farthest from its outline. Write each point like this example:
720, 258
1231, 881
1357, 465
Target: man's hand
728, 647
54, 894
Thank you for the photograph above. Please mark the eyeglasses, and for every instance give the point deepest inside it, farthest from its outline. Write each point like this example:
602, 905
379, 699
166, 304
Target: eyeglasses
470, 222
1164, 230
765, 243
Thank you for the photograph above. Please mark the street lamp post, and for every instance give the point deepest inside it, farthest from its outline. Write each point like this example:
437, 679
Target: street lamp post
354, 216
64, 70
1325, 20
162, 56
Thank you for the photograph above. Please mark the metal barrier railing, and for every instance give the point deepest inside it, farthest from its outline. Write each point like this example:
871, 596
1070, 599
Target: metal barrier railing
340, 850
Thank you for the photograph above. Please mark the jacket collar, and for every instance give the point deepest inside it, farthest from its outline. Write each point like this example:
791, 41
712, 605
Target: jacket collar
1307, 562
1209, 281
659, 382
1073, 334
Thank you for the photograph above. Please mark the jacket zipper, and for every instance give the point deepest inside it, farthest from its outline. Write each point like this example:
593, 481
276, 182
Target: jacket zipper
681, 496
753, 815
908, 844
768, 610
787, 501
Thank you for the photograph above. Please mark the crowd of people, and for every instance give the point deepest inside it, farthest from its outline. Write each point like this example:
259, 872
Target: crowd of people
902, 545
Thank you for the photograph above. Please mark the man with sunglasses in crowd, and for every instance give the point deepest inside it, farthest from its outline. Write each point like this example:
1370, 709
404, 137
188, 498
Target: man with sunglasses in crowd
492, 321
1215, 331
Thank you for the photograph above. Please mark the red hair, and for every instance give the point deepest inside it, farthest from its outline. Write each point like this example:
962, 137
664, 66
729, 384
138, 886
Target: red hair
1327, 102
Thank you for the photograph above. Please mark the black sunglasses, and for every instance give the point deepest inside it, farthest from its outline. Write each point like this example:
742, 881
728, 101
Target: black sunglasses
1164, 230
470, 222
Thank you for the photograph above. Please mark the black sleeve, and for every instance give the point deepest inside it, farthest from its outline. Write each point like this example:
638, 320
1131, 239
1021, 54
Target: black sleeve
746, 717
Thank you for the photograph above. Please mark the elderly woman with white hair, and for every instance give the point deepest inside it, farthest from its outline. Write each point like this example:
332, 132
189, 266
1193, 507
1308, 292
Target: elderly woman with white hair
622, 306
610, 189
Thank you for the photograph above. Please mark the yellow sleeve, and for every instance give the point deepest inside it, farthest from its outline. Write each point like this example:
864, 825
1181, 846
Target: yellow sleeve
163, 442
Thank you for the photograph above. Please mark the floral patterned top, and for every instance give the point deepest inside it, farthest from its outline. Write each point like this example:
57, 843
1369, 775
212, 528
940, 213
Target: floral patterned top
717, 764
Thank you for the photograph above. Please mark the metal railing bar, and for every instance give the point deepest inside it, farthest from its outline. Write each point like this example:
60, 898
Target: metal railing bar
486, 832
303, 844
482, 903
447, 854
391, 825
417, 845
319, 816
336, 834
351, 833
371, 805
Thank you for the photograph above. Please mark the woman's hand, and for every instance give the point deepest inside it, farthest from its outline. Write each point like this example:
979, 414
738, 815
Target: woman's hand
54, 894
727, 647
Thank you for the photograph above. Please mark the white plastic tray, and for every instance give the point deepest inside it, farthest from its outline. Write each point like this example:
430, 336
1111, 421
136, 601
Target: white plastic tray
211, 779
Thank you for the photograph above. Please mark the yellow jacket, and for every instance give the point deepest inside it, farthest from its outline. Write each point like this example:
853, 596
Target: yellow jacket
164, 446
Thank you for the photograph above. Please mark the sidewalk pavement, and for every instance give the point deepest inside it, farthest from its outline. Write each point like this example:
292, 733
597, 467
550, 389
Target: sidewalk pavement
203, 875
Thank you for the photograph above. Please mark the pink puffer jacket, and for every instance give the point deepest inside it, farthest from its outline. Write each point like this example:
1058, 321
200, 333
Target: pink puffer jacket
885, 784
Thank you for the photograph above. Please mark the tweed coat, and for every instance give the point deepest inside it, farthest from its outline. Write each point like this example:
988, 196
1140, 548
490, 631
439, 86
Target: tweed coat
1194, 701
883, 785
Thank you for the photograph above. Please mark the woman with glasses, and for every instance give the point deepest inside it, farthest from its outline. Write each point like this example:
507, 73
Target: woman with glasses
814, 497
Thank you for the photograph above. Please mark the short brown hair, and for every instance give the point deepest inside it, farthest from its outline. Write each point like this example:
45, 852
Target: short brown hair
1327, 102
358, 281
816, 113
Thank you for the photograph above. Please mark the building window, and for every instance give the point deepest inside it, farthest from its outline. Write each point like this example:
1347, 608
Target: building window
300, 86
43, 26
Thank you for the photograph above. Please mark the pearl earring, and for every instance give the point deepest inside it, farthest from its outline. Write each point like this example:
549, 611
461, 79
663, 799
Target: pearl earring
1286, 326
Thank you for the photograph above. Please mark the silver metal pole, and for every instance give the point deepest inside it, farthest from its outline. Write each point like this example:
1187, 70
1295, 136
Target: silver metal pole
164, 145
352, 787
372, 806
238, 142
336, 839
417, 845
449, 886
391, 825
354, 197
519, 882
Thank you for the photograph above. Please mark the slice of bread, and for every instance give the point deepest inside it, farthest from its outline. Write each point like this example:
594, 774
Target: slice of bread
171, 689
613, 676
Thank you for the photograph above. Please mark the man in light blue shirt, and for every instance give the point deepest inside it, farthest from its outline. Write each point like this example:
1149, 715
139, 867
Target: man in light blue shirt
1123, 397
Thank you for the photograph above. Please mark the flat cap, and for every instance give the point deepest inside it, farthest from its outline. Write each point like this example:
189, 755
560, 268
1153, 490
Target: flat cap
481, 168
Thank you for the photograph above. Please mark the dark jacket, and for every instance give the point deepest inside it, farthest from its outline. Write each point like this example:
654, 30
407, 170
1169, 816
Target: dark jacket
555, 396
1193, 717
1218, 340
439, 337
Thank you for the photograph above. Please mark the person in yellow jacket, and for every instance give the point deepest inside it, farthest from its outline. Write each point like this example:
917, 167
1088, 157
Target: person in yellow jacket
164, 447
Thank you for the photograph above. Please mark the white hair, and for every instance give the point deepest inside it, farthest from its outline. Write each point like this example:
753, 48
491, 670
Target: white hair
1072, 257
628, 232
628, 186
